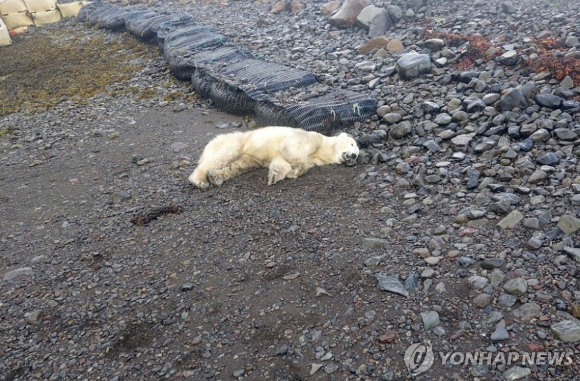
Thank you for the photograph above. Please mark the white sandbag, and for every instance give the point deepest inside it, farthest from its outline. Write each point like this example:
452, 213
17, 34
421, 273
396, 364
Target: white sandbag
18, 20
9, 7
44, 18
4, 36
70, 9
37, 6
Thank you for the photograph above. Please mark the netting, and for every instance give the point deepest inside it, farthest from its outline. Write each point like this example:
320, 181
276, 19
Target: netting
87, 9
168, 27
258, 78
180, 47
183, 66
110, 17
146, 27
231, 78
236, 86
327, 113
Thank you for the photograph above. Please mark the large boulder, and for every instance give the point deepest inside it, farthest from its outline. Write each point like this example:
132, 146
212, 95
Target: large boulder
380, 24
330, 7
395, 12
364, 18
412, 65
513, 98
347, 14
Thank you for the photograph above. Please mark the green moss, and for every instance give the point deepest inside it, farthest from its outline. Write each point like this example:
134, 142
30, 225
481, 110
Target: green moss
41, 68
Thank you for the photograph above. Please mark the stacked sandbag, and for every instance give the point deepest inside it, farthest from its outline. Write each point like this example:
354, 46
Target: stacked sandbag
15, 14
43, 11
70, 9
4, 35
337, 109
236, 87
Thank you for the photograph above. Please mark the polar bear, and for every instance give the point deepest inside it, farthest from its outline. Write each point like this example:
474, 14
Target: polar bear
287, 152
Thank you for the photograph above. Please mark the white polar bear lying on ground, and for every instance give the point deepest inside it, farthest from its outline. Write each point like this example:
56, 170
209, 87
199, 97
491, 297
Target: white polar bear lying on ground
287, 152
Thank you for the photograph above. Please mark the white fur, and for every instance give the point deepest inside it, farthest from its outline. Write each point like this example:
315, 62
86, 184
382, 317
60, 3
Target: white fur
287, 152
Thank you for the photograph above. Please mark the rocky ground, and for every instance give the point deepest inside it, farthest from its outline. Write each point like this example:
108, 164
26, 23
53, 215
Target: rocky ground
459, 226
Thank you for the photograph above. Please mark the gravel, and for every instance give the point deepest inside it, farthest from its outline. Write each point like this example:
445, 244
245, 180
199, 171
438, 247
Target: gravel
459, 225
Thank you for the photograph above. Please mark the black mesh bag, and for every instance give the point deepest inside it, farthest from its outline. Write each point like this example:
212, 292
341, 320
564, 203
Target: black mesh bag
178, 50
86, 10
236, 87
145, 27
258, 78
112, 18
327, 113
168, 27
183, 66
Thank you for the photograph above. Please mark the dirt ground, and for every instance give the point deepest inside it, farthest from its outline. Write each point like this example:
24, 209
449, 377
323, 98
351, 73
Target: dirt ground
243, 279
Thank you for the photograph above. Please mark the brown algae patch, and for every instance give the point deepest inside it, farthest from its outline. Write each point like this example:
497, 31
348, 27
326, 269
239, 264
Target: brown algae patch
42, 68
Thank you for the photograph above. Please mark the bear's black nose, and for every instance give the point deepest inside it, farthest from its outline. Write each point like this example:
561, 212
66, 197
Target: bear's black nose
353, 155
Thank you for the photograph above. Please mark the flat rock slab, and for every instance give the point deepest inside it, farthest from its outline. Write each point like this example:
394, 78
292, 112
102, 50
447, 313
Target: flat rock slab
17, 273
511, 220
567, 331
391, 283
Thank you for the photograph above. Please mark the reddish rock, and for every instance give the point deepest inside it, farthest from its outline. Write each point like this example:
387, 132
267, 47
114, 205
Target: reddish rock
388, 337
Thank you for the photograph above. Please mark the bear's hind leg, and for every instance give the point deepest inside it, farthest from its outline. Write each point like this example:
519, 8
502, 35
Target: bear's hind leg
278, 170
241, 165
199, 179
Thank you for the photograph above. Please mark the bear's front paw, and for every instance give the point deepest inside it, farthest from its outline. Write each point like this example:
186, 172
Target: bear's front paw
214, 178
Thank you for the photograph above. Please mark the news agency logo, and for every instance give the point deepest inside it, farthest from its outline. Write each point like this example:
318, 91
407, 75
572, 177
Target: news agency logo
419, 358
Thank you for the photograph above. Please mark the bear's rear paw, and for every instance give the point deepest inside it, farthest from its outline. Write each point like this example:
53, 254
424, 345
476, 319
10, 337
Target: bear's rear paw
198, 179
274, 177
214, 178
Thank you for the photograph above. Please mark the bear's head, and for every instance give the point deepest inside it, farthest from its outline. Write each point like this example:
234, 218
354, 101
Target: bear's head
346, 148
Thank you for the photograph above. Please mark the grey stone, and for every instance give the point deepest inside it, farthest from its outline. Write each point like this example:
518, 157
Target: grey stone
374, 243
569, 224
506, 300
509, 58
517, 286
380, 24
513, 99
443, 119
400, 130
516, 373
482, 300
412, 65
549, 100
364, 18
511, 220
430, 319
391, 284
434, 44
565, 134
572, 252
527, 312
10, 275
492, 263
395, 12
500, 334
567, 331
537, 177
346, 16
